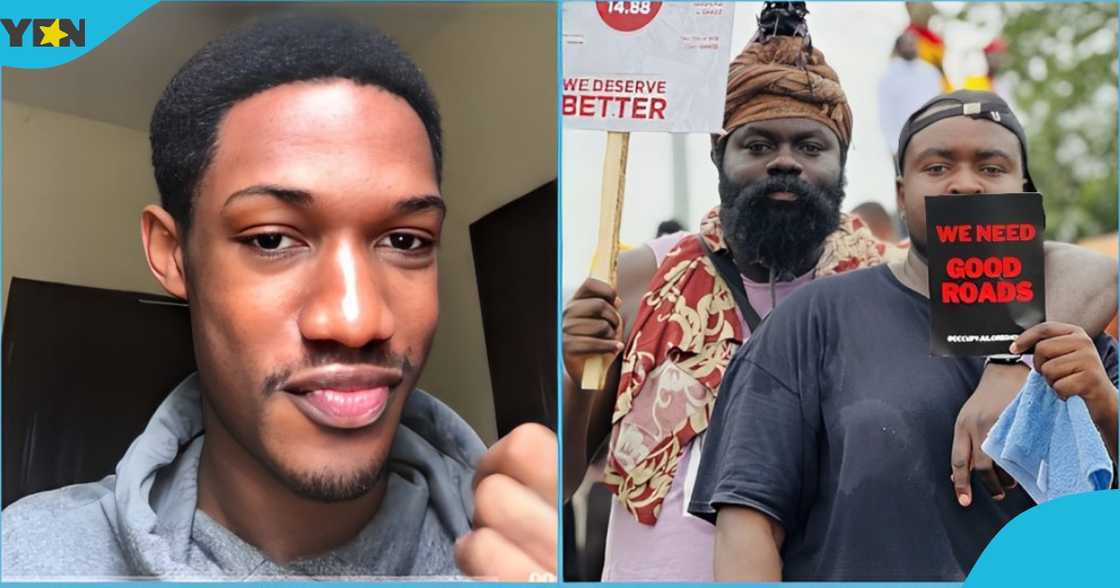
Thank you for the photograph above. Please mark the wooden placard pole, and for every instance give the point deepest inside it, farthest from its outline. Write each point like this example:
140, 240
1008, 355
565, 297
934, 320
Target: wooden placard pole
604, 266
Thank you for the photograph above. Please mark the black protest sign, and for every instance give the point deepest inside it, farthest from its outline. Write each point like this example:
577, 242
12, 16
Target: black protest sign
985, 271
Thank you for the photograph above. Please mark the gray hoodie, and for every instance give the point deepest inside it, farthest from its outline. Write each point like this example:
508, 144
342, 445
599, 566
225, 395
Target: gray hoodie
143, 521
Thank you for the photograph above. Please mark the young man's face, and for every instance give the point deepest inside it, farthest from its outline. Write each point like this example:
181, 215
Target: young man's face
311, 273
781, 184
957, 155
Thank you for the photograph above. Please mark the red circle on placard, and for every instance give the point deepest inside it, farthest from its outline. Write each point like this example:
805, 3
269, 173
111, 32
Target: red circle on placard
627, 16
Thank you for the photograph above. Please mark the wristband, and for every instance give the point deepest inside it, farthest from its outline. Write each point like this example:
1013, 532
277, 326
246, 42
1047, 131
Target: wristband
1004, 359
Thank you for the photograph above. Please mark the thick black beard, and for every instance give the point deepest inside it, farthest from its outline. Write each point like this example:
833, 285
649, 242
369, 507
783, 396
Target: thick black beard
784, 236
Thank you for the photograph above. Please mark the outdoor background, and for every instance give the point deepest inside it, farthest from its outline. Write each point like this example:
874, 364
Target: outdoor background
1059, 74
1060, 77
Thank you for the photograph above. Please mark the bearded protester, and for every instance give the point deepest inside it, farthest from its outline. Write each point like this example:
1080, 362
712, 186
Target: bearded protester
826, 457
684, 304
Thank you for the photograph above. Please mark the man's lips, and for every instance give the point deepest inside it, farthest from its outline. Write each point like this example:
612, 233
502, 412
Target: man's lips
342, 397
786, 196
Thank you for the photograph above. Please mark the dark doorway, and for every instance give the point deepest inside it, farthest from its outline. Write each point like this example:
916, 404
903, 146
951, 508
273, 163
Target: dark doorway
84, 369
515, 265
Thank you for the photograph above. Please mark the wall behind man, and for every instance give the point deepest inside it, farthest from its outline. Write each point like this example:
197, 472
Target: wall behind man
77, 171
500, 125
73, 191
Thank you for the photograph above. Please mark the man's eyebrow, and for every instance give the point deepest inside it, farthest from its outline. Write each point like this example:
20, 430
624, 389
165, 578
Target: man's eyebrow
936, 152
991, 153
293, 196
810, 134
759, 131
417, 204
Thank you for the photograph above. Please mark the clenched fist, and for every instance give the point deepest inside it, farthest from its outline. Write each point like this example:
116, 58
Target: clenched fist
514, 536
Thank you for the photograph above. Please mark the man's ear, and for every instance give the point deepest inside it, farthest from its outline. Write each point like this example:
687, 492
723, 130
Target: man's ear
900, 198
163, 246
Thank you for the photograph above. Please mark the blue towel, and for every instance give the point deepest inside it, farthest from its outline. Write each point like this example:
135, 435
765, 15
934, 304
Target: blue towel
1048, 445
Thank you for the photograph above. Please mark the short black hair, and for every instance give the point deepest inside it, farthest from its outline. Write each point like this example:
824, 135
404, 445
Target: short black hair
264, 54
669, 227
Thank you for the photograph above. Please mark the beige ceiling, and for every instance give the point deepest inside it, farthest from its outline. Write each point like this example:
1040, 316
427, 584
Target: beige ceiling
178, 30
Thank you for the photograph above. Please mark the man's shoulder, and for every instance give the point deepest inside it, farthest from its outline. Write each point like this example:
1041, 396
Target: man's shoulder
59, 502
826, 304
435, 444
61, 533
858, 279
443, 429
837, 287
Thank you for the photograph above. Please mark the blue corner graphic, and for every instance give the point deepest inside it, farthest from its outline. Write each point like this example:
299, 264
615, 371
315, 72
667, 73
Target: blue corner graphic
1070, 541
49, 33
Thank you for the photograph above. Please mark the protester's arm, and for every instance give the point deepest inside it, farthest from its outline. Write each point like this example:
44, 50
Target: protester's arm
514, 536
596, 321
749, 483
748, 546
1080, 290
998, 386
1068, 359
1080, 287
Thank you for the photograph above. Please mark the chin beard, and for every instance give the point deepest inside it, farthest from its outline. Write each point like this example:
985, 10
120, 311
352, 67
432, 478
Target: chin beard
327, 486
784, 236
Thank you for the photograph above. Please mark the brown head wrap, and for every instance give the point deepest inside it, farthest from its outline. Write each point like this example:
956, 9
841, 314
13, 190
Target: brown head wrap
780, 78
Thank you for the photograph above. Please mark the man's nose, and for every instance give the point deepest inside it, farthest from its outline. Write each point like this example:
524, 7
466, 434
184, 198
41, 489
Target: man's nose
783, 163
965, 182
346, 302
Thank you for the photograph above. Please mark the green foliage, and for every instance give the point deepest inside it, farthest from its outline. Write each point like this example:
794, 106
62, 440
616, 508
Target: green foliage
1063, 79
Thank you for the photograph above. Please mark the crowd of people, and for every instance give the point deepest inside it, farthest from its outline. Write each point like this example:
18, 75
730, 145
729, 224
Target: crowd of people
915, 73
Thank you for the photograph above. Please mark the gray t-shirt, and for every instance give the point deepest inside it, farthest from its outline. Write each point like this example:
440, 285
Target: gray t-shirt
835, 421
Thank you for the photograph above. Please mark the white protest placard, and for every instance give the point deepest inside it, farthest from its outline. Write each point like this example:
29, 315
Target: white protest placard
646, 66
639, 66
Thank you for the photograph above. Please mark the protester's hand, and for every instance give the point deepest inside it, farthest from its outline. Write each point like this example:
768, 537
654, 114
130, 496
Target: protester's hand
1066, 356
592, 326
997, 387
514, 536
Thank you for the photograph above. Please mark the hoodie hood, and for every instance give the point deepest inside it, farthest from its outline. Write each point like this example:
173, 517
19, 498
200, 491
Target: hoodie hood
152, 508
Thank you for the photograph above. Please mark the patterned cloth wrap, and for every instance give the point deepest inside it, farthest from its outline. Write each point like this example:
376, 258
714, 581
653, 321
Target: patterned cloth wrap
785, 77
686, 330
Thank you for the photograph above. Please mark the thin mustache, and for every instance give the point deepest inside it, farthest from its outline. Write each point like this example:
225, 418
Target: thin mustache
342, 377
382, 360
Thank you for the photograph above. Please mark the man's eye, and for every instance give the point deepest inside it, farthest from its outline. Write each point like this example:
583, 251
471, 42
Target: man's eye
811, 148
937, 168
757, 147
271, 244
408, 241
271, 241
992, 170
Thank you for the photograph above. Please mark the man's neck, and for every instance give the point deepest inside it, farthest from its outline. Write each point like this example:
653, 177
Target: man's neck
912, 272
243, 496
756, 271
